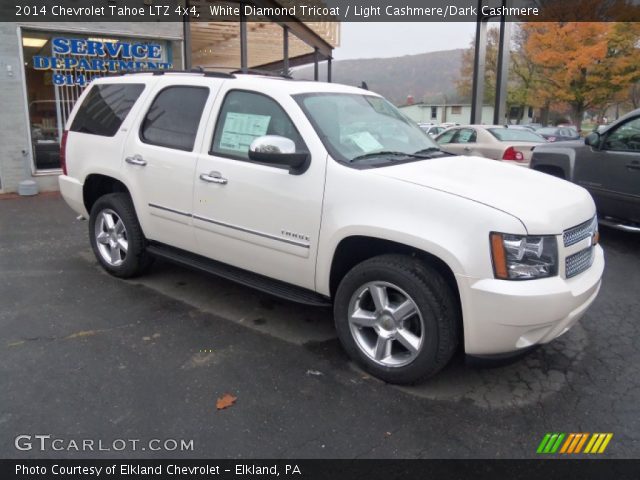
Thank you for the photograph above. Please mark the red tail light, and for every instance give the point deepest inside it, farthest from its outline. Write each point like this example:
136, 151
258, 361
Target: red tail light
512, 154
63, 152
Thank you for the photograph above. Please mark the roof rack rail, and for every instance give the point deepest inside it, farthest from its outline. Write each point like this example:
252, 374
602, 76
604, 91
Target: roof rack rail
210, 73
120, 73
266, 73
193, 70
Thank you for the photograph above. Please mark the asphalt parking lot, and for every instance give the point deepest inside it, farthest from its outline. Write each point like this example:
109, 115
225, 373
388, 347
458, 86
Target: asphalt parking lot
87, 356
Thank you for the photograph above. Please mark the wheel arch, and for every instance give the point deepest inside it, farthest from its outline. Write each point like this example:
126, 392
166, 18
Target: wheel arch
96, 185
557, 161
355, 249
553, 170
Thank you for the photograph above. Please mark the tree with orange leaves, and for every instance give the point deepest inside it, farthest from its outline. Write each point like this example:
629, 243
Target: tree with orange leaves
582, 64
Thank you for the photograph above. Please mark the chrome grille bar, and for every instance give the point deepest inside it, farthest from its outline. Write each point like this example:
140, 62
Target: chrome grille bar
578, 262
578, 233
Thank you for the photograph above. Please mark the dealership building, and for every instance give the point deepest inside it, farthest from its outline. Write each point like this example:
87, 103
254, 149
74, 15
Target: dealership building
44, 67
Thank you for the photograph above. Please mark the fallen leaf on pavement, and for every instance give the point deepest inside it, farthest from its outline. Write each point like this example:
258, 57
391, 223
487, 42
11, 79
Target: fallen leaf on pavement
225, 401
83, 333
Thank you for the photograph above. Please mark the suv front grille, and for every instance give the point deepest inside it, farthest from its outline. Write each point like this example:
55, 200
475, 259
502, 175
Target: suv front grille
578, 233
578, 262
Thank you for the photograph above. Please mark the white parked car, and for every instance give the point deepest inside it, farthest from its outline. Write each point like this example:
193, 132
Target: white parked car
326, 194
432, 130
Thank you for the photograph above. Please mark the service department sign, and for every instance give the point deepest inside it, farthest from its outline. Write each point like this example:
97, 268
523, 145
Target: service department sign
73, 58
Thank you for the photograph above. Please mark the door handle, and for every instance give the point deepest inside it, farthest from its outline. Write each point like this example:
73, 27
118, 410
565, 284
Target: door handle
633, 166
136, 160
467, 149
213, 177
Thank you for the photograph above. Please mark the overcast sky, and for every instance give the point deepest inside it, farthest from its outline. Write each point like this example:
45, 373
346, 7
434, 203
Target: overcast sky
384, 39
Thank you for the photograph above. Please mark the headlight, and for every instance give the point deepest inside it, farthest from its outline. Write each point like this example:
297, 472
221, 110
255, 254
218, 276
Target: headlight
522, 257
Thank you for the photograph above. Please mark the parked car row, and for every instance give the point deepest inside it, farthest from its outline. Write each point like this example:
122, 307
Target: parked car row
513, 143
558, 134
431, 129
491, 141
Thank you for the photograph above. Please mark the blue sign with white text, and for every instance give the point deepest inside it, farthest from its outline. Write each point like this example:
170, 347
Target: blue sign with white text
73, 58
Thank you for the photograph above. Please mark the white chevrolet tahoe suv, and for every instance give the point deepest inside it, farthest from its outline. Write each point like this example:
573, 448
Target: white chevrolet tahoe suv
325, 194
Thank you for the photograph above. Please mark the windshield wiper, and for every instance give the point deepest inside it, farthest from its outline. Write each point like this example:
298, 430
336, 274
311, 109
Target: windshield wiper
434, 152
387, 153
428, 150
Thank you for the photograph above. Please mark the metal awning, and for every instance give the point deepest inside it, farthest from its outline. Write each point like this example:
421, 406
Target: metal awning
219, 45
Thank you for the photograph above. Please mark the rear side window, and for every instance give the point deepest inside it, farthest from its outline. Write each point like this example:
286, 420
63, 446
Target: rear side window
105, 107
173, 118
465, 135
446, 137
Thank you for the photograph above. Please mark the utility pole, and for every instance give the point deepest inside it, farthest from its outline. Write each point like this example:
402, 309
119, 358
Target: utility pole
186, 42
504, 43
500, 106
477, 92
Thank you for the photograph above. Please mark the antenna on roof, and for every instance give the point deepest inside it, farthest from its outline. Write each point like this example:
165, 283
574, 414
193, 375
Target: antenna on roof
364, 85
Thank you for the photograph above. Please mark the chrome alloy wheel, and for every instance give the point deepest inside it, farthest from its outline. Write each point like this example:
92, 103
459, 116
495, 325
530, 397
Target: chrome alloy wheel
111, 237
386, 324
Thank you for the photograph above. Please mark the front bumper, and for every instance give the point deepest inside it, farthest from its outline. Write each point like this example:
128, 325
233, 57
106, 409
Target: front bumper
503, 316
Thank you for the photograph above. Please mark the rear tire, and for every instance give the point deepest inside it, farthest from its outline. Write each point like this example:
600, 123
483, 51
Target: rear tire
397, 318
116, 236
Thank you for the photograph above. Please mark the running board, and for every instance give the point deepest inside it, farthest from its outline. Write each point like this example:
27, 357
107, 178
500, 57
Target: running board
608, 222
268, 285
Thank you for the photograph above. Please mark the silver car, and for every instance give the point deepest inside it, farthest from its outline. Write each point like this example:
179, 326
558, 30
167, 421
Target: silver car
491, 141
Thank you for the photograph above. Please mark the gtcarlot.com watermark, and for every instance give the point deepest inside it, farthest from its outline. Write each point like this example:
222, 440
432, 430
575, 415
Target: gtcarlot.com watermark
48, 442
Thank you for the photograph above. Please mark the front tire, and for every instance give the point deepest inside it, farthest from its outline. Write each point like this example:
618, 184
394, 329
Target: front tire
116, 236
397, 318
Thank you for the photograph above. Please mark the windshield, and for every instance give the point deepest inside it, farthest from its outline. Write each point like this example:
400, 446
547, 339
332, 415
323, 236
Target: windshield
515, 135
357, 127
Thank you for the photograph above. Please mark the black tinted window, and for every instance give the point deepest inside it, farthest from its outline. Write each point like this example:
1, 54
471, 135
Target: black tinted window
105, 107
173, 118
625, 137
246, 116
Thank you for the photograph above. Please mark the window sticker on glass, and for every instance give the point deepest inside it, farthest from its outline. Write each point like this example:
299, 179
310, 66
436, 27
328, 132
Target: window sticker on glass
365, 141
240, 129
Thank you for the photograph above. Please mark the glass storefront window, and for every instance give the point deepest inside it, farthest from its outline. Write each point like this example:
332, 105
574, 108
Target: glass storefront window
58, 66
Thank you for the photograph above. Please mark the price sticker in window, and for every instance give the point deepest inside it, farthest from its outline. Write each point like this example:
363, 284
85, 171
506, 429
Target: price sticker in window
240, 129
365, 141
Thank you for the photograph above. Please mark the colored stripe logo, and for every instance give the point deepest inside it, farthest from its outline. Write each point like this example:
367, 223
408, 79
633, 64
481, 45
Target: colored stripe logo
569, 443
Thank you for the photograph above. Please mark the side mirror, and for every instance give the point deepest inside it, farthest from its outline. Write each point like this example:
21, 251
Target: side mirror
592, 140
277, 150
